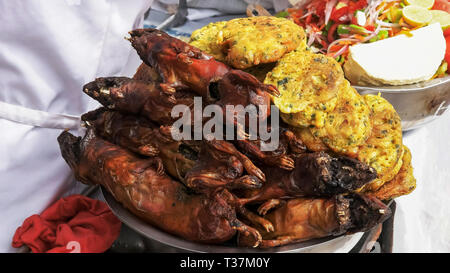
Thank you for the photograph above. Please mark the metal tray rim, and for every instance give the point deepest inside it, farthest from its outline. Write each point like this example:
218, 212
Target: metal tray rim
416, 87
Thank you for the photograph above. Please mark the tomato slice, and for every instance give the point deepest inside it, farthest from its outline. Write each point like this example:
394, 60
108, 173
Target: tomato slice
354, 6
337, 14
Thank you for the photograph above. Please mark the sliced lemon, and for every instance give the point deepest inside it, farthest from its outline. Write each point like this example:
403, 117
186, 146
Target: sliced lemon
428, 4
416, 16
441, 17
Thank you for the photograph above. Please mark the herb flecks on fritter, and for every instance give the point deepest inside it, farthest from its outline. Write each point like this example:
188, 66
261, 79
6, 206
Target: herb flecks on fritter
246, 42
206, 39
402, 184
348, 126
309, 85
384, 149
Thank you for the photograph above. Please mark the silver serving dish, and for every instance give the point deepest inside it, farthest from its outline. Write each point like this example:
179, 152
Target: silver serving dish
164, 242
417, 104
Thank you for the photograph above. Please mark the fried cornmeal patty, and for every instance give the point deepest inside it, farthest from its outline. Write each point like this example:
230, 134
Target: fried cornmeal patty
309, 85
383, 150
403, 183
246, 42
205, 39
348, 126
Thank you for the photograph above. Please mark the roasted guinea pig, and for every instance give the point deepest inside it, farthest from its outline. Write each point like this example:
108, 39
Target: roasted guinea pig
137, 97
315, 175
143, 137
152, 196
303, 219
201, 165
182, 66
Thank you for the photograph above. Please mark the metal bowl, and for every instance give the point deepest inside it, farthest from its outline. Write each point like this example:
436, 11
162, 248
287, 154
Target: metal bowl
417, 104
165, 242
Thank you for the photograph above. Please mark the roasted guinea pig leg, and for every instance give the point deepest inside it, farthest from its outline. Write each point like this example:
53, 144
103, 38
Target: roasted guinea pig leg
222, 149
240, 90
315, 174
217, 169
303, 219
157, 199
289, 147
137, 97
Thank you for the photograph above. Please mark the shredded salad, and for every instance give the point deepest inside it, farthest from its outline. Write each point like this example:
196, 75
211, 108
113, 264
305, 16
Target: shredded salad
332, 26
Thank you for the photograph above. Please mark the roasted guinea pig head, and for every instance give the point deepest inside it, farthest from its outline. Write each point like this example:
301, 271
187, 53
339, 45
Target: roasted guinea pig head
179, 64
315, 175
135, 97
303, 219
143, 137
129, 131
156, 198
319, 174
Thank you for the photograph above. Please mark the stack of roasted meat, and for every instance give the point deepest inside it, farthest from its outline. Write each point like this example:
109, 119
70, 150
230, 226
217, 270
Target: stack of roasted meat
211, 190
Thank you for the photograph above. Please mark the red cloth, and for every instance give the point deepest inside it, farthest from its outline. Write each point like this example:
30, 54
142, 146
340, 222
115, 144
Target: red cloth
72, 224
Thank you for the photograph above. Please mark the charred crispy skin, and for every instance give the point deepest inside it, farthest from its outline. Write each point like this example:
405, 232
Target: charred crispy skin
137, 97
315, 174
155, 198
180, 65
220, 164
302, 219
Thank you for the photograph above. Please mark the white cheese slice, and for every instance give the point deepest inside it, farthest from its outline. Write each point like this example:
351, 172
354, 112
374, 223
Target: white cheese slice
397, 60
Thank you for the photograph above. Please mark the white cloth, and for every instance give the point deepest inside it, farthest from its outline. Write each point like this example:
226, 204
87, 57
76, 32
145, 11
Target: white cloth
48, 50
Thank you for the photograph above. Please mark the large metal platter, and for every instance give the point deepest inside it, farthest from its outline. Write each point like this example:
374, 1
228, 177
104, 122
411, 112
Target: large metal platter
165, 240
417, 104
